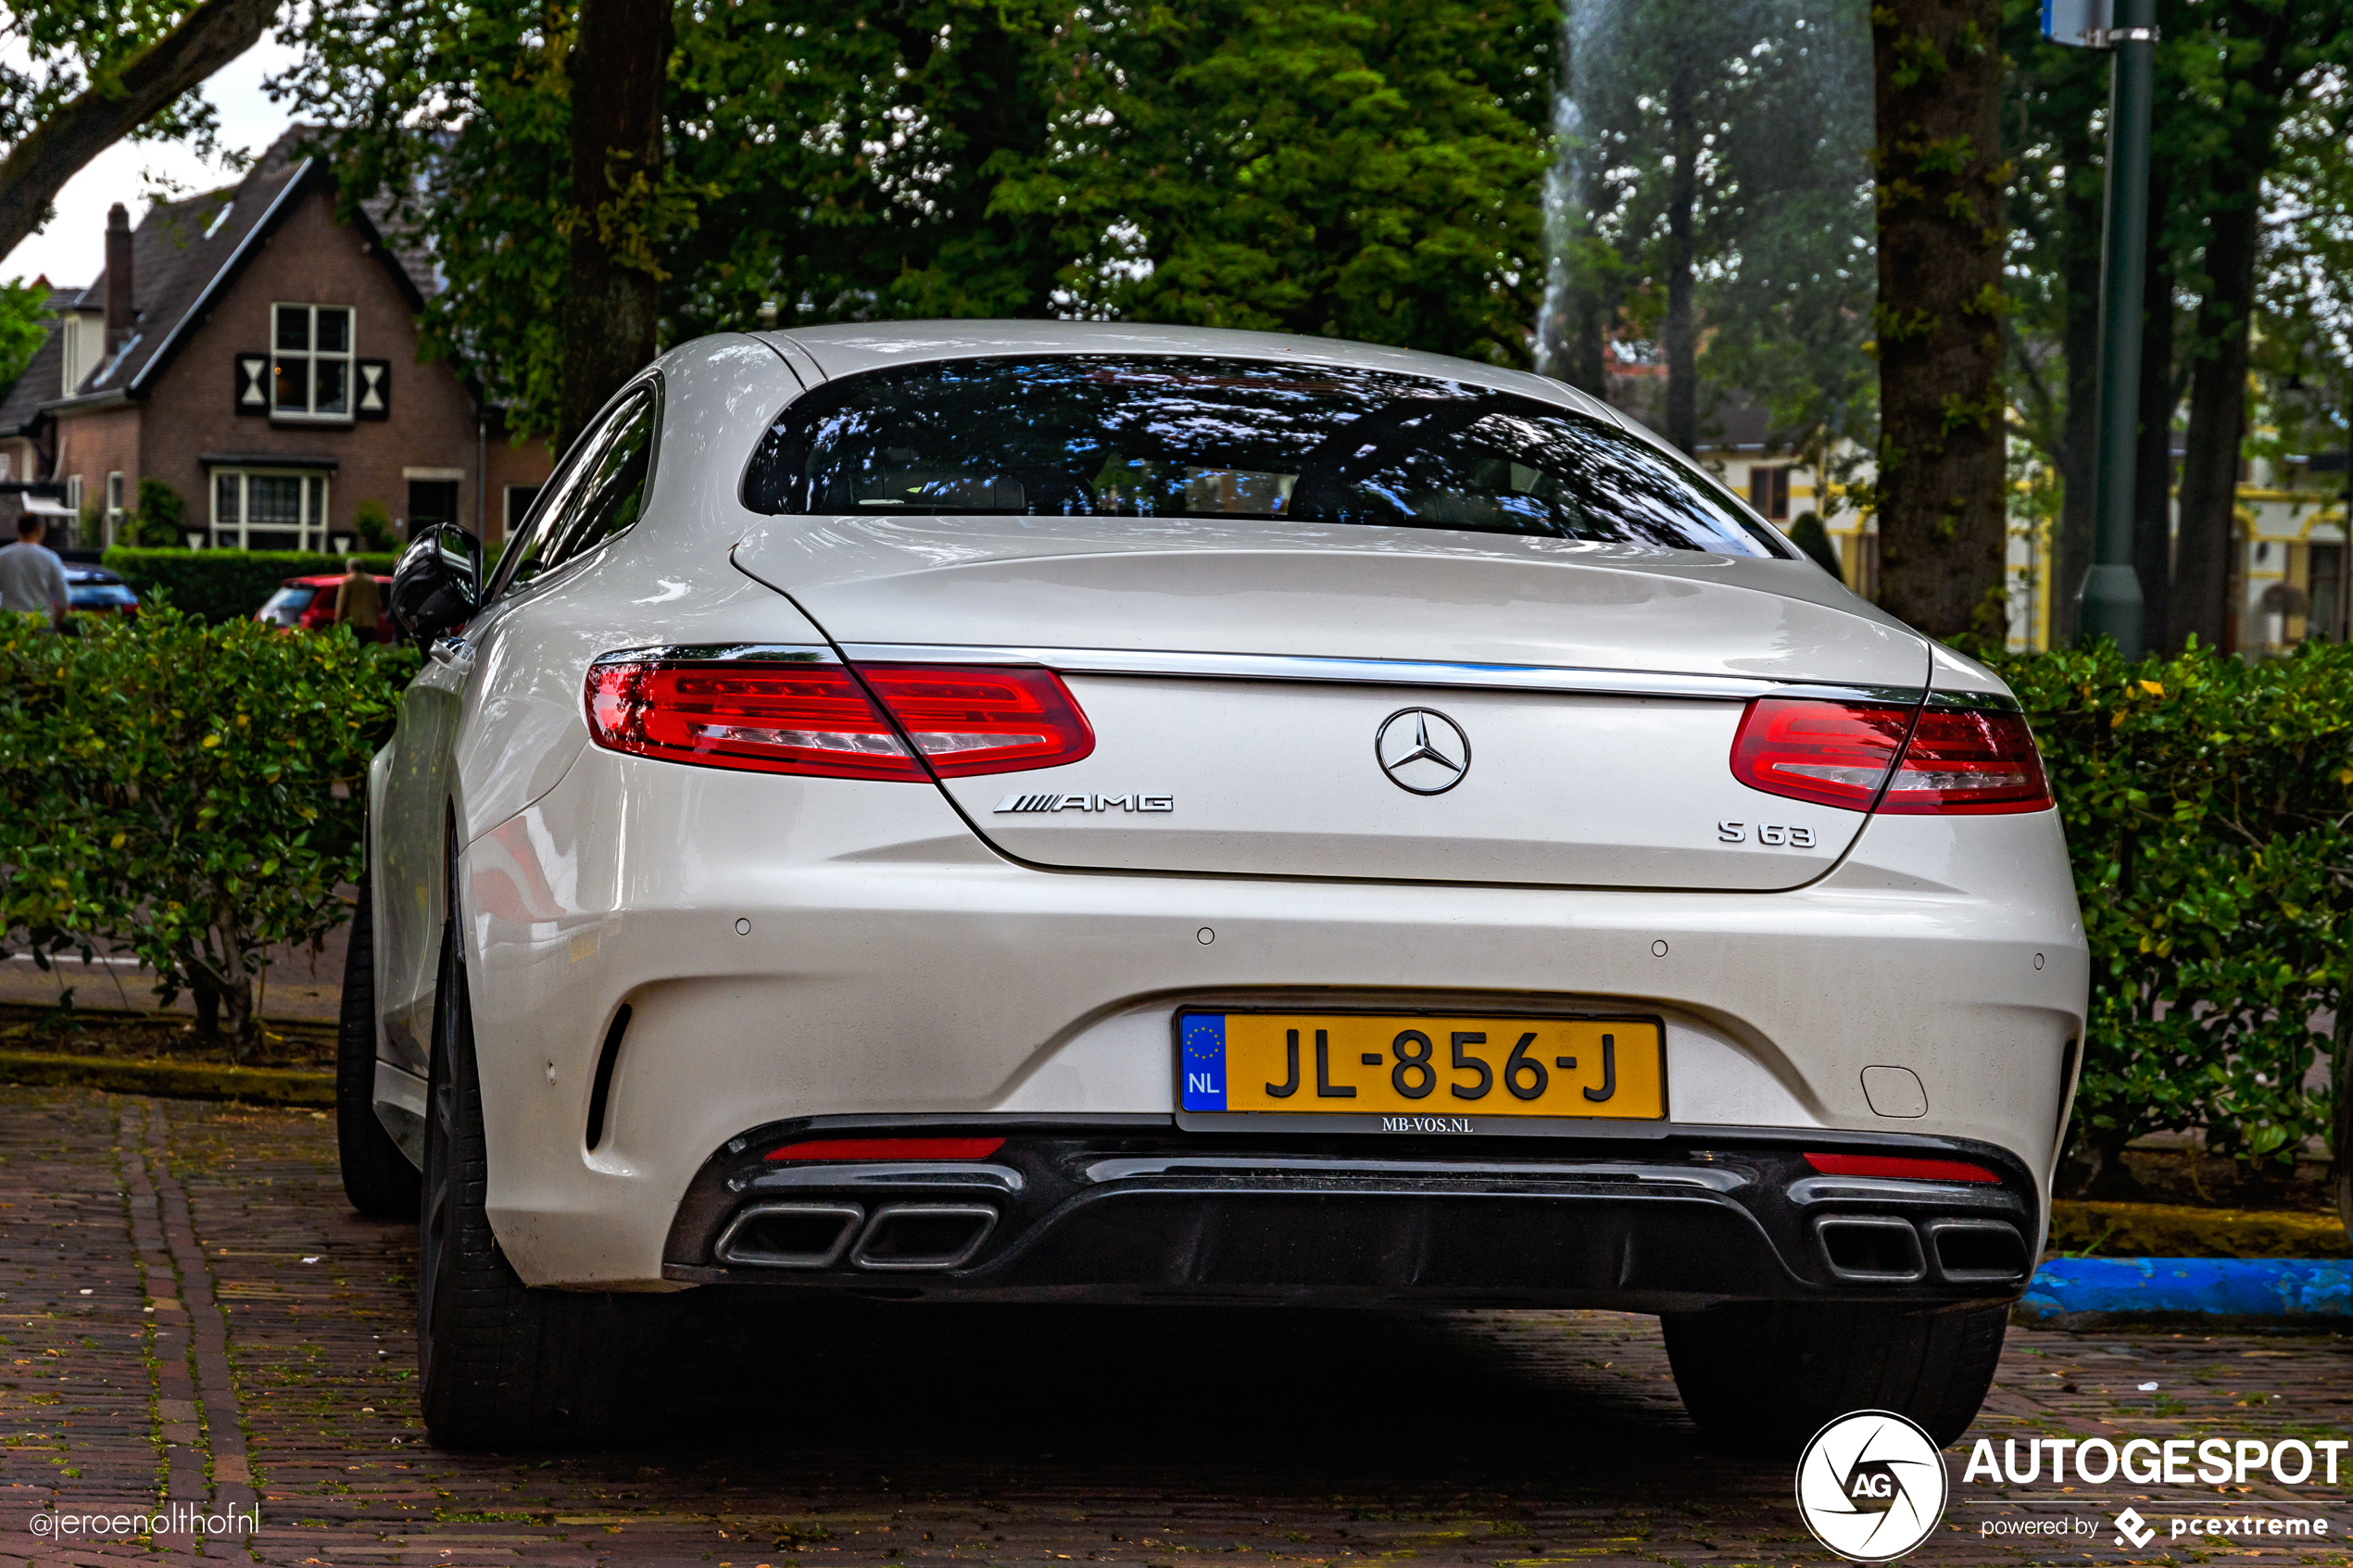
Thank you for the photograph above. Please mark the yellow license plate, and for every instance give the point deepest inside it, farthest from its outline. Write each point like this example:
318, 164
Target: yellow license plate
1389, 1064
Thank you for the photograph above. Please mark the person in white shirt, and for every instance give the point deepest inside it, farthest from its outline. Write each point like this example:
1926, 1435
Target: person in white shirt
33, 580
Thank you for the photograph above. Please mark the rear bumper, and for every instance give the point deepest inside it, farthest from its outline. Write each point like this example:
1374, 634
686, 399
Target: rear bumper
1134, 1211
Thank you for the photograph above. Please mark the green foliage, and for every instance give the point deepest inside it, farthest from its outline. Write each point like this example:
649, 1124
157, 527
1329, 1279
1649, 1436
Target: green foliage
373, 524
1368, 169
24, 326
193, 793
1360, 171
222, 584
161, 510
2206, 803
58, 49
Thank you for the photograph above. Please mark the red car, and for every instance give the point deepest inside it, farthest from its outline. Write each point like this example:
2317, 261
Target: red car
309, 603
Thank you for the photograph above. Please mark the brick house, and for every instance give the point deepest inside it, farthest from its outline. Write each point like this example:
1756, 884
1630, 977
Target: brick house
261, 358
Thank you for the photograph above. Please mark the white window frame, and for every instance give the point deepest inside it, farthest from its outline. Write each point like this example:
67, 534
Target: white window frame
310, 533
72, 363
113, 519
312, 357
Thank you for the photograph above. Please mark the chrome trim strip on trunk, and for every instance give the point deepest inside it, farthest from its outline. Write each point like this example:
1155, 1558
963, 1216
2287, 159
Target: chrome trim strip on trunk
723, 653
1376, 673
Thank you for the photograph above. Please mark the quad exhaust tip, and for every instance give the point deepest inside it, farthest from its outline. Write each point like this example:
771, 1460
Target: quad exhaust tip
900, 1237
1885, 1249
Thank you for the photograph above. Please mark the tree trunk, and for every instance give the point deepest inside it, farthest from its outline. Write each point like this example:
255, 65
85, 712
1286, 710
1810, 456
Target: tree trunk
1942, 489
2196, 606
2206, 534
1683, 331
2153, 454
619, 63
207, 997
78, 130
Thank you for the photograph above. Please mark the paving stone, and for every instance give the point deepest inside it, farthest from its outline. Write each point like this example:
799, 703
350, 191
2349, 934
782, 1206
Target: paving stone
244, 1323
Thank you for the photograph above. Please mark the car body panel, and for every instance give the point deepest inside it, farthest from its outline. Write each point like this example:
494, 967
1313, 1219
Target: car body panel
892, 965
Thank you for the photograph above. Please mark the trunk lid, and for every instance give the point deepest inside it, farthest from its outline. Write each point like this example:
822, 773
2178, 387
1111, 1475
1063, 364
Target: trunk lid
1393, 704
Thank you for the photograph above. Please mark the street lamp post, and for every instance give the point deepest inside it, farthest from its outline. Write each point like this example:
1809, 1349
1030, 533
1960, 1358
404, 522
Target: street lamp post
2111, 593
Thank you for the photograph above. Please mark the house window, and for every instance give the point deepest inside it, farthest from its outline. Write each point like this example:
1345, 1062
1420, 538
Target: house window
266, 510
114, 506
519, 500
1768, 492
310, 362
73, 355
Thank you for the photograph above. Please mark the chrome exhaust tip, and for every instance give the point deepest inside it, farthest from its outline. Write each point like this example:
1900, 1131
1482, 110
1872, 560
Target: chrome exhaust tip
791, 1235
1872, 1249
924, 1235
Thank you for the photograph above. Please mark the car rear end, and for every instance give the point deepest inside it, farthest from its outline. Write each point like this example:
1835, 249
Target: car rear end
1216, 901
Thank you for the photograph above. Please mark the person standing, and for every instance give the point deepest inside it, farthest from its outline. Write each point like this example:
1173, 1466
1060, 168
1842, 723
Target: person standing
359, 603
33, 580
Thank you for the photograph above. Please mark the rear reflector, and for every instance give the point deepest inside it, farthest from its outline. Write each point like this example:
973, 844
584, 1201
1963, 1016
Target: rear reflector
888, 1149
1897, 1167
1956, 761
818, 719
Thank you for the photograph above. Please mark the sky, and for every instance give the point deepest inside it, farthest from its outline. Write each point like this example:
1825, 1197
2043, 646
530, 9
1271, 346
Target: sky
72, 248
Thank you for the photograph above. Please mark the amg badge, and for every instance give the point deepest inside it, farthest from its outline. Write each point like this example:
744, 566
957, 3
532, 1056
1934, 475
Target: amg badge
1087, 803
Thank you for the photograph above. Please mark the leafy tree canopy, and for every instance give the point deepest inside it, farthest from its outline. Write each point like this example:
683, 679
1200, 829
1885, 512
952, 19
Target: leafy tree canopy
1365, 168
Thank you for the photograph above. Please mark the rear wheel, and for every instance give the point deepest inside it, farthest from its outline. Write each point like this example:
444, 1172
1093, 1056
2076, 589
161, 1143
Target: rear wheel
1765, 1378
501, 1365
376, 1176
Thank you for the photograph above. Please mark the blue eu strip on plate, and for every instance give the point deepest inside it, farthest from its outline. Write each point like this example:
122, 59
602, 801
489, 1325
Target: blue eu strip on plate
1203, 1037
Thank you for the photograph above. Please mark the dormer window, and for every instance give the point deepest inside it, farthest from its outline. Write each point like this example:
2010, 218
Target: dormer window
310, 362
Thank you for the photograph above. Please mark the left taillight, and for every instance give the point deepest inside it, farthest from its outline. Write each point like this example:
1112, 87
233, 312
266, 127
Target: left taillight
822, 719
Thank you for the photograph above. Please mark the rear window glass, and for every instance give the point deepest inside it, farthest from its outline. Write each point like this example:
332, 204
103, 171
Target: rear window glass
284, 608
1131, 437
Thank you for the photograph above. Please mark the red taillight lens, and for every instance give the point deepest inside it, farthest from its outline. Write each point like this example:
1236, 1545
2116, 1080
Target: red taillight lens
1838, 754
888, 1149
1900, 1168
817, 718
1831, 753
767, 717
983, 720
1968, 761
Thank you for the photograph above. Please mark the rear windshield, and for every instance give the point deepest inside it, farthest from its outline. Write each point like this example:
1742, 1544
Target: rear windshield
284, 608
1131, 437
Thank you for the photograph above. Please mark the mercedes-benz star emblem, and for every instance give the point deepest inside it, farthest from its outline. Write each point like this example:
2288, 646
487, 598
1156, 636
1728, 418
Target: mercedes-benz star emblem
1422, 750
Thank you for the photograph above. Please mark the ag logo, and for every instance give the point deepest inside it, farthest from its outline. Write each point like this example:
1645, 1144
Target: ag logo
1870, 1486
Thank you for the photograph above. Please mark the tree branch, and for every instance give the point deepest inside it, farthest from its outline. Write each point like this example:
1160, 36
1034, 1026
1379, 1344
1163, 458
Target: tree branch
37, 168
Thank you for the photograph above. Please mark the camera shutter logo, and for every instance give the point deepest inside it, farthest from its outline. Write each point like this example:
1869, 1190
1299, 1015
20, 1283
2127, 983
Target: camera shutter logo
1871, 1485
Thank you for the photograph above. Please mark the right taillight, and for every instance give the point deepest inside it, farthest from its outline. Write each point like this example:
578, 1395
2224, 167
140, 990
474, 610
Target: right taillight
1956, 760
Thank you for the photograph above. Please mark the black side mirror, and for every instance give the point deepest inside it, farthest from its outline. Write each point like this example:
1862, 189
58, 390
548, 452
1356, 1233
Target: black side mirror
437, 586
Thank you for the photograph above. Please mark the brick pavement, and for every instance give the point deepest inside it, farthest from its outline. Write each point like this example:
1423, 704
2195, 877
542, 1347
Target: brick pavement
241, 1321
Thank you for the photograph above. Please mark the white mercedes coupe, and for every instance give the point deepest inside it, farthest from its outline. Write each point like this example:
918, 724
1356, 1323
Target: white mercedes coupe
1049, 812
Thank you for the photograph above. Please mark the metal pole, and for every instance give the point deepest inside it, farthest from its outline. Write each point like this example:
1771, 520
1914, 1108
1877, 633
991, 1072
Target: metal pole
2112, 600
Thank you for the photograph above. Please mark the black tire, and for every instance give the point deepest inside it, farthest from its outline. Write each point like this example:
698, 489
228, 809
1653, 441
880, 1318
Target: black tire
501, 1366
376, 1176
1764, 1379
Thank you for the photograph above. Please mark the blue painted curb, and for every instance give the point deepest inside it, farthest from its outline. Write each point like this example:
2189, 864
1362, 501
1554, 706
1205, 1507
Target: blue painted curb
2249, 1287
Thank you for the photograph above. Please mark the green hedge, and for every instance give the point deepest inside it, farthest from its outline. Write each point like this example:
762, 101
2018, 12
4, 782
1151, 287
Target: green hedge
191, 793
223, 584
2206, 803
